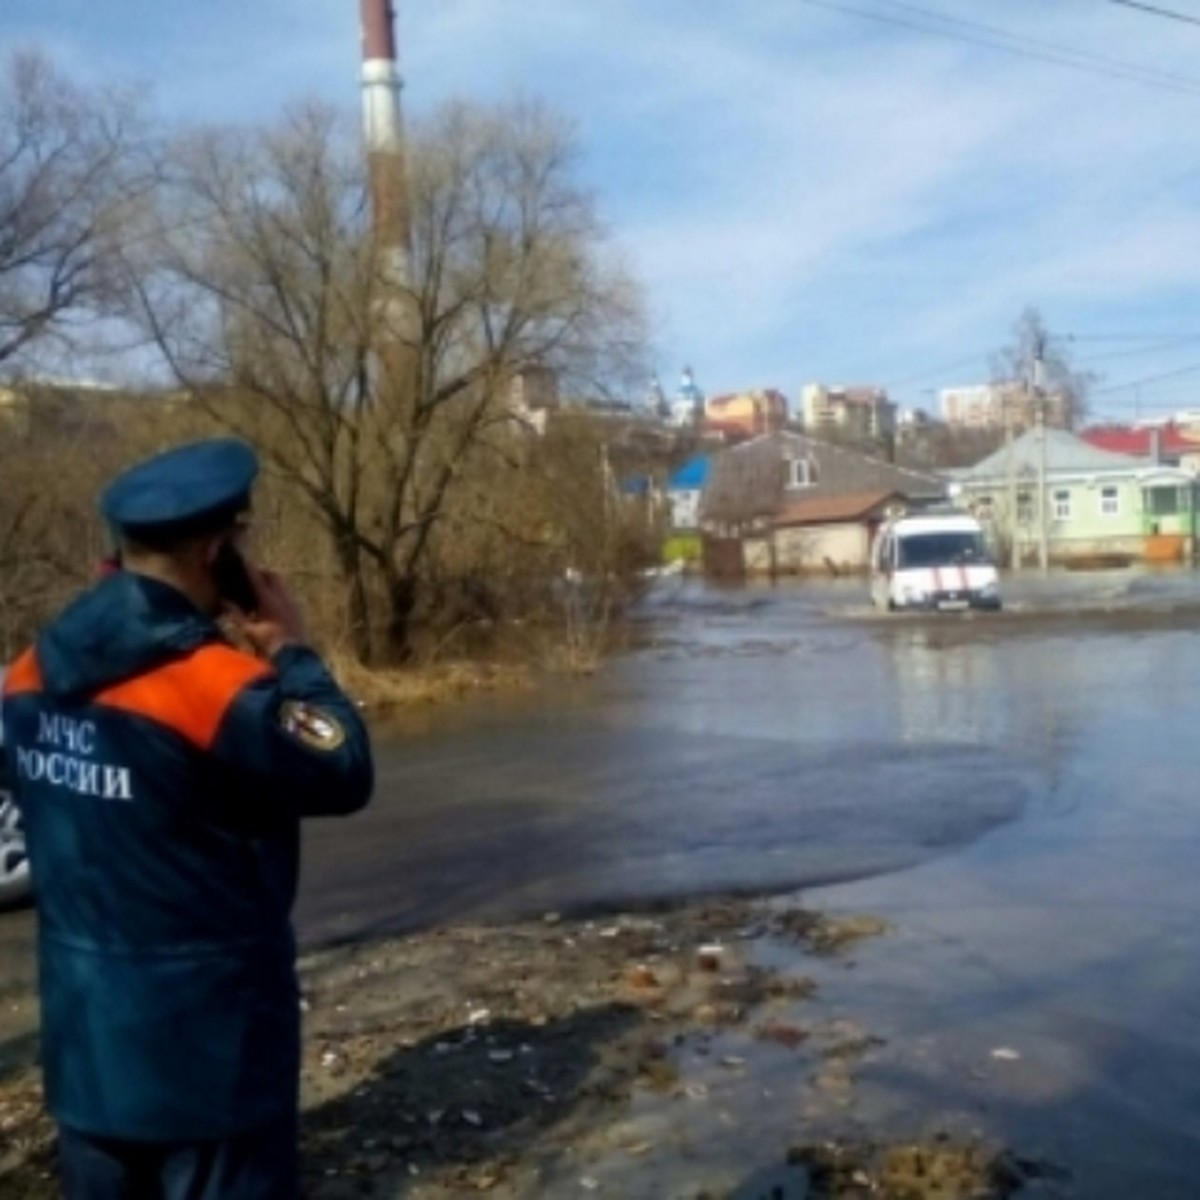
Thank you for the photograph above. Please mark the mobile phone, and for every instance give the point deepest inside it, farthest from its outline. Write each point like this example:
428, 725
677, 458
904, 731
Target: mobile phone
233, 580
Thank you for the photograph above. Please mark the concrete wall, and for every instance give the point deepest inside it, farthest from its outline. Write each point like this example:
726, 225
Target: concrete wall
804, 548
813, 547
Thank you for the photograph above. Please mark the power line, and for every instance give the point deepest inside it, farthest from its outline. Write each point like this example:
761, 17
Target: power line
934, 372
1056, 48
1133, 383
1051, 53
1150, 347
1129, 337
1155, 11
1151, 344
1025, 46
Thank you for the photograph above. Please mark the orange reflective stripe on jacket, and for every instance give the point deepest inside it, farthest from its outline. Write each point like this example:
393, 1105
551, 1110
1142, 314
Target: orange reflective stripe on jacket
23, 675
188, 695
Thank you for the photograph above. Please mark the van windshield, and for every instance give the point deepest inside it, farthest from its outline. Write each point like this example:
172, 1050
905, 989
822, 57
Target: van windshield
941, 549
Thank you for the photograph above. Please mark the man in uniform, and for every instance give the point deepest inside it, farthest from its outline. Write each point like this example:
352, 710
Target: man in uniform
162, 775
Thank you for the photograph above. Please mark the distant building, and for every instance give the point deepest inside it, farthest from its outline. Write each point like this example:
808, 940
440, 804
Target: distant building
657, 403
1185, 418
746, 414
788, 503
977, 405
1094, 505
77, 411
534, 388
991, 405
1166, 443
855, 412
684, 489
14, 410
688, 406
533, 395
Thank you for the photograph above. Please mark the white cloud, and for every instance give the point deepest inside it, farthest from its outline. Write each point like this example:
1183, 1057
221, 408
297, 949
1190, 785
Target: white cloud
803, 192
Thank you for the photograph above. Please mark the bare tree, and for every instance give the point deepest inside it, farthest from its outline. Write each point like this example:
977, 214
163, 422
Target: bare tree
70, 170
539, 552
58, 447
378, 399
1032, 344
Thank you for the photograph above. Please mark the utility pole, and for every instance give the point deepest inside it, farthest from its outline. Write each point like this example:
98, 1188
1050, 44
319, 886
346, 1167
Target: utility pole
1010, 469
1040, 411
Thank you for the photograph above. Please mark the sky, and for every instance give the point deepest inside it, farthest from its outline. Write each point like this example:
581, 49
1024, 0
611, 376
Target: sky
845, 191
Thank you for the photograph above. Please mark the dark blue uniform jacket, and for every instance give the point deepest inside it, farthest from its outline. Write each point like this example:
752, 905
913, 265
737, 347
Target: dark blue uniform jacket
162, 775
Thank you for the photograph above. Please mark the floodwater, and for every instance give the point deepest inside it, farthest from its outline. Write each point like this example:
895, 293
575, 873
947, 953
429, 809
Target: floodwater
1019, 794
763, 739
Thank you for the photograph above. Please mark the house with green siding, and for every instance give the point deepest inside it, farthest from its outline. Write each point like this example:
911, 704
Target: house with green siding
1096, 505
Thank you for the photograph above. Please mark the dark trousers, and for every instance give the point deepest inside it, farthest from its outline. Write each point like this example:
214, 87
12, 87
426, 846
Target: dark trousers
261, 1165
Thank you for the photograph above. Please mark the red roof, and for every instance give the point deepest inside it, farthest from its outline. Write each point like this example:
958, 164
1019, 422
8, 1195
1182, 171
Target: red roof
1122, 439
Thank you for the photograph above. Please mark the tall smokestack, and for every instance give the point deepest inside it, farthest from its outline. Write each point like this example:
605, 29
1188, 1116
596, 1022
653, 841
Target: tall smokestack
384, 135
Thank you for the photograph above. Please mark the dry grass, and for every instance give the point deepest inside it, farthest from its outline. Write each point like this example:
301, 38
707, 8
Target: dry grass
424, 685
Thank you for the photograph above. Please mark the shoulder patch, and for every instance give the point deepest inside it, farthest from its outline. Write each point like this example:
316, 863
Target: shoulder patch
312, 726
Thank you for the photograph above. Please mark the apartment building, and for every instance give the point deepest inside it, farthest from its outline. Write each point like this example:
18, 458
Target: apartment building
855, 412
991, 405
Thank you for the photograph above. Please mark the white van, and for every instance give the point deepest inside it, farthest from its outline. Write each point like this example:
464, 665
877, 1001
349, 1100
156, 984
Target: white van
933, 560
14, 865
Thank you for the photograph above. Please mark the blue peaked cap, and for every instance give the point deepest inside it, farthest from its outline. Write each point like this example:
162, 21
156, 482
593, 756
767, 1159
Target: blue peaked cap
193, 489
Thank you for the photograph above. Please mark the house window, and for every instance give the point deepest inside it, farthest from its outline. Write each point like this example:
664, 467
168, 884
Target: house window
1164, 502
801, 473
1110, 502
1024, 508
1062, 505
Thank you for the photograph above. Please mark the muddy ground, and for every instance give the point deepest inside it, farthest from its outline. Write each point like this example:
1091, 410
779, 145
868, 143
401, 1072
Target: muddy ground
547, 1058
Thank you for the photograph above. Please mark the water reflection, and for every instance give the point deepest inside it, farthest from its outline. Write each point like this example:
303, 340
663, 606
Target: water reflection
768, 747
778, 739
945, 693
949, 688
755, 742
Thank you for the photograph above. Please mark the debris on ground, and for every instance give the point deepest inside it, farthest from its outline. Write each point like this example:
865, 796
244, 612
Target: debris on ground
475, 1059
823, 933
936, 1169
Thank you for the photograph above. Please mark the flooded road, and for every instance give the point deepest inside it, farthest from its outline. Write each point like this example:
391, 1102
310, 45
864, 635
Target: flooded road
1017, 794
764, 739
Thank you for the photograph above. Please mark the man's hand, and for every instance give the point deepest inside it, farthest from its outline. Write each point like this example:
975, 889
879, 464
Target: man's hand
278, 621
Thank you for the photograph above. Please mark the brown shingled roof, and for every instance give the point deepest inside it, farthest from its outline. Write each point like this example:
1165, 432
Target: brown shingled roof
748, 482
820, 510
